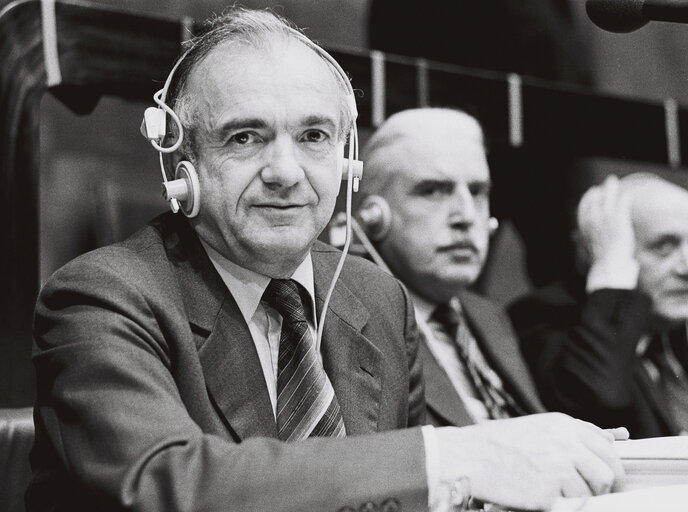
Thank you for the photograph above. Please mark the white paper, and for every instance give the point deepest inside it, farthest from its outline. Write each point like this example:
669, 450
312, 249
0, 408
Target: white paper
665, 499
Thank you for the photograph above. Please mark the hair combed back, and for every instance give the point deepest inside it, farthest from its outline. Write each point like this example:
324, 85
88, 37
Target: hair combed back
239, 26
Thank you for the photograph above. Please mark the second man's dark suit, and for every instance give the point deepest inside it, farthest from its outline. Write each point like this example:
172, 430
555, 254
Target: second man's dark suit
495, 336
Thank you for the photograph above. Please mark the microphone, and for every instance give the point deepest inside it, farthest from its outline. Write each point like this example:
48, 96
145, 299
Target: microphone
630, 15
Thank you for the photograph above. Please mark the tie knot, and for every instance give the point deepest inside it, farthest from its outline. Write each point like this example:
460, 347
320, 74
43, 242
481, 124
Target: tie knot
283, 295
447, 316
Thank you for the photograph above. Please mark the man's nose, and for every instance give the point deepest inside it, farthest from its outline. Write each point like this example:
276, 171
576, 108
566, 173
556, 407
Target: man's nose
282, 168
461, 207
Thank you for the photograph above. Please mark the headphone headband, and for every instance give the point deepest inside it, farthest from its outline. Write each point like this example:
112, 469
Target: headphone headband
154, 128
154, 125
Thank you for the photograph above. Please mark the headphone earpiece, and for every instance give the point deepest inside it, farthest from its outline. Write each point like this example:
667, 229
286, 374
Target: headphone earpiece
154, 124
356, 171
492, 225
376, 217
184, 192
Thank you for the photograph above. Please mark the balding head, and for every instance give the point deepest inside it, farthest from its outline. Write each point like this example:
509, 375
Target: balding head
659, 211
413, 132
430, 166
648, 191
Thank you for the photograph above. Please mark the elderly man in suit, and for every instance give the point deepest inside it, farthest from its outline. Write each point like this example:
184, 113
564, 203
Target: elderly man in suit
428, 177
611, 347
183, 368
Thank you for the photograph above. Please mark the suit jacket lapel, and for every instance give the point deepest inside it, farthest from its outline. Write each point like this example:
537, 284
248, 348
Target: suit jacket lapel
656, 402
228, 356
440, 396
351, 361
501, 348
648, 386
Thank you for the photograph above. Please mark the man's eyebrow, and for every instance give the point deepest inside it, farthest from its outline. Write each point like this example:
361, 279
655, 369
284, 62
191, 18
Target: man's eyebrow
254, 123
664, 236
239, 124
318, 120
449, 184
432, 183
483, 184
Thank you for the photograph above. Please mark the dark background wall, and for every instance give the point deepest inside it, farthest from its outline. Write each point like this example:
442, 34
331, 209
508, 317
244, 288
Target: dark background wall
99, 177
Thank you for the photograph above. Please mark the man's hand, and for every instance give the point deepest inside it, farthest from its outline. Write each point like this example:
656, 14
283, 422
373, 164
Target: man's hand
605, 230
528, 462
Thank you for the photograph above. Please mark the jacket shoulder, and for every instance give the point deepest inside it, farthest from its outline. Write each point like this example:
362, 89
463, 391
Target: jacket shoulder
362, 276
140, 260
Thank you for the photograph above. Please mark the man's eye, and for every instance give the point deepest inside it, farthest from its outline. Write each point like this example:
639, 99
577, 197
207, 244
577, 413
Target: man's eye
436, 190
314, 136
242, 138
479, 189
664, 247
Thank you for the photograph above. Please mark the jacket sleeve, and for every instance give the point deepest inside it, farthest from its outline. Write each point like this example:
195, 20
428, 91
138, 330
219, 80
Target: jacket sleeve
582, 355
111, 421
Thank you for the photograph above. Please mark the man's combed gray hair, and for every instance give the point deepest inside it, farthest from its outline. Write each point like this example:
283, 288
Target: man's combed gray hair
243, 27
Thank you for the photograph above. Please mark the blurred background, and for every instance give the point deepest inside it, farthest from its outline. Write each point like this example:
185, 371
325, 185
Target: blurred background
96, 179
99, 178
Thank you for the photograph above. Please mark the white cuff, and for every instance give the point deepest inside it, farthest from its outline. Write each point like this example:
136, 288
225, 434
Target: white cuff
431, 469
443, 496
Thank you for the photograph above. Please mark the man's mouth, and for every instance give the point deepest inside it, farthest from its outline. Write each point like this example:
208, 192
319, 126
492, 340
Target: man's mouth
279, 206
460, 246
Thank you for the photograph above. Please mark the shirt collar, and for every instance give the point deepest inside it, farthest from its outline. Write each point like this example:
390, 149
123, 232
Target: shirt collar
247, 287
425, 308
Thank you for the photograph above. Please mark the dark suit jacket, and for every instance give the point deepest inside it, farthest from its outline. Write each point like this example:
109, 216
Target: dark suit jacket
581, 350
493, 332
151, 395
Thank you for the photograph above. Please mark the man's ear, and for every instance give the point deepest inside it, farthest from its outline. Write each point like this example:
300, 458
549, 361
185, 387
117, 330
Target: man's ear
375, 215
492, 225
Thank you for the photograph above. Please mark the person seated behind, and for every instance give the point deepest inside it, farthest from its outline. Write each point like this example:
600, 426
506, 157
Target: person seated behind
613, 350
429, 168
169, 366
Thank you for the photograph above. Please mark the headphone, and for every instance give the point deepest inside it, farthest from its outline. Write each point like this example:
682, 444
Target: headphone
375, 216
183, 192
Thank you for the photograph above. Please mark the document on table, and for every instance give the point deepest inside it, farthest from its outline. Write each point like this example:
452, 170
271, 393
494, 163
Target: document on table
673, 498
654, 462
656, 479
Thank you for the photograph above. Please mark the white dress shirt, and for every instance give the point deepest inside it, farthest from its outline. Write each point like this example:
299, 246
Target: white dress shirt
264, 323
444, 350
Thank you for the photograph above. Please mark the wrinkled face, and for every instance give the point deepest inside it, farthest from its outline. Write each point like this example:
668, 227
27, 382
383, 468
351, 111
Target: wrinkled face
660, 222
268, 151
438, 194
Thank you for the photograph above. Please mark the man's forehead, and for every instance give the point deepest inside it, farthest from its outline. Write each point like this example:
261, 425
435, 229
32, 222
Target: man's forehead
242, 56
234, 78
660, 208
420, 158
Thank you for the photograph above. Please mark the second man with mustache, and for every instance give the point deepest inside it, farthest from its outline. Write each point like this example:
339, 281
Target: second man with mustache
427, 168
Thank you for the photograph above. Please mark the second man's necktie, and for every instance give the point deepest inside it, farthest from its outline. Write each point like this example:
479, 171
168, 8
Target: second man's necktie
486, 382
306, 404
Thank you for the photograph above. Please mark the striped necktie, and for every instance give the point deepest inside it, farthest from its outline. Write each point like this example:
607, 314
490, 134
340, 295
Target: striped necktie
306, 404
489, 387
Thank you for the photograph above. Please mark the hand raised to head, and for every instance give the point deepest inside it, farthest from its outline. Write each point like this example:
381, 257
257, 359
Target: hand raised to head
604, 221
606, 237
